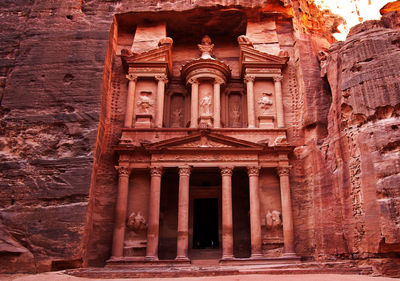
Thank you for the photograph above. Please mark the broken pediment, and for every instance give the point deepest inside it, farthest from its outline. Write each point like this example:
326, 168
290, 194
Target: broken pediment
157, 57
204, 140
252, 58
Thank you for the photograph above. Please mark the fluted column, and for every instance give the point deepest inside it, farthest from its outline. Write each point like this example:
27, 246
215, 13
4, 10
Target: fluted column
162, 80
217, 103
227, 220
255, 218
154, 213
195, 103
120, 211
287, 216
183, 214
279, 102
250, 101
130, 100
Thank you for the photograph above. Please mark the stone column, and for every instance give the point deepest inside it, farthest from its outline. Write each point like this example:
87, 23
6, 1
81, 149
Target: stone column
183, 214
217, 103
120, 212
130, 100
162, 80
154, 213
287, 217
250, 101
227, 220
255, 218
195, 103
279, 101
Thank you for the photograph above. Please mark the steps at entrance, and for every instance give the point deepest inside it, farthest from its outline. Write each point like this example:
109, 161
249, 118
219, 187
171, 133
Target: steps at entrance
199, 269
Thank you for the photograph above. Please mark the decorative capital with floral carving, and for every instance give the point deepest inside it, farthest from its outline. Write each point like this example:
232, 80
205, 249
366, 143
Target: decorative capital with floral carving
249, 78
162, 78
156, 171
278, 78
226, 171
253, 171
283, 171
123, 171
184, 170
131, 77
193, 81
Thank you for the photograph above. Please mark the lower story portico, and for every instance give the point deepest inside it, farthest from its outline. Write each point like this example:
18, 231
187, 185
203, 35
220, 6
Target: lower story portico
203, 194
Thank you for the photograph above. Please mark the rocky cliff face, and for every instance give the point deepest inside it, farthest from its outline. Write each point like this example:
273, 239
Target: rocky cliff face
56, 61
354, 170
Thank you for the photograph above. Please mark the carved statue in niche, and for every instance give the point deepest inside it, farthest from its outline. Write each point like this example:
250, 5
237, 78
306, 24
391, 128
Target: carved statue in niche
205, 105
273, 223
145, 102
235, 110
177, 111
265, 102
136, 222
206, 47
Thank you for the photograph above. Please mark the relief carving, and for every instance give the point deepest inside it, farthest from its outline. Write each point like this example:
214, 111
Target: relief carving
177, 113
205, 105
136, 222
235, 110
265, 102
273, 224
145, 103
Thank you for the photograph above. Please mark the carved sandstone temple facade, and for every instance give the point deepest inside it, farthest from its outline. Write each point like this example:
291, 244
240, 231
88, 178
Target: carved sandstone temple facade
203, 159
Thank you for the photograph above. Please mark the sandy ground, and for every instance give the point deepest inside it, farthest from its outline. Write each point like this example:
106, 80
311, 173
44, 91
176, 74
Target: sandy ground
59, 276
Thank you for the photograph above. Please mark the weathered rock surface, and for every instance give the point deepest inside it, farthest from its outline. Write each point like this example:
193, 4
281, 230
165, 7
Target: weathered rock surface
353, 171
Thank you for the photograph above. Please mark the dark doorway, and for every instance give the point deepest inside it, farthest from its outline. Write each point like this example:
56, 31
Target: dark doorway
168, 215
241, 214
205, 223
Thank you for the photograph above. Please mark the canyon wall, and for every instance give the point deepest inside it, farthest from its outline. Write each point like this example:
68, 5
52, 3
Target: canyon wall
56, 134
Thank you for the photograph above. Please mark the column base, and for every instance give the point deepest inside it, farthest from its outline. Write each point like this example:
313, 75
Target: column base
151, 258
256, 256
182, 258
227, 257
289, 255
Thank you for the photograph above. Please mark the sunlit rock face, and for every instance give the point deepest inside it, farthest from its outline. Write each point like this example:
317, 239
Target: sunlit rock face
62, 97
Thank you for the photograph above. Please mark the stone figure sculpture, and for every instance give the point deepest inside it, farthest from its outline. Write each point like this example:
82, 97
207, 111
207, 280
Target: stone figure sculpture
145, 102
273, 220
205, 105
265, 102
136, 222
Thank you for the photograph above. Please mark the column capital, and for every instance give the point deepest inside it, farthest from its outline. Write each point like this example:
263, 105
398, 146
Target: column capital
283, 171
131, 77
226, 171
218, 81
184, 170
123, 171
193, 81
277, 78
249, 78
161, 77
253, 171
156, 171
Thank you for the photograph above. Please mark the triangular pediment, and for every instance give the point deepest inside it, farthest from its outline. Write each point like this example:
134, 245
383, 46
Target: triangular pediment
160, 55
250, 57
204, 140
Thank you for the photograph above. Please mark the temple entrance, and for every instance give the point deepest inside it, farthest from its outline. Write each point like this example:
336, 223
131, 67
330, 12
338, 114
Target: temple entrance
205, 224
205, 228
